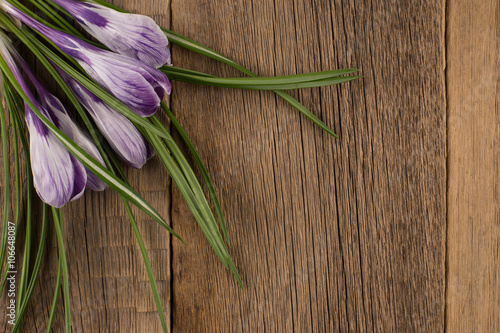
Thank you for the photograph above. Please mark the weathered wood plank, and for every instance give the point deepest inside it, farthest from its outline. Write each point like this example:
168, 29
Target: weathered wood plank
473, 247
330, 236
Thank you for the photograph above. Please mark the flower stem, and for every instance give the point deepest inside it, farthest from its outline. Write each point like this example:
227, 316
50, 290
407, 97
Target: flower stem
57, 292
36, 270
59, 225
6, 182
149, 269
202, 168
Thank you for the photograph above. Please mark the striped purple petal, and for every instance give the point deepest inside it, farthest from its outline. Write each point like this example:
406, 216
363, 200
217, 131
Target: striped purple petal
61, 118
121, 134
132, 35
58, 176
140, 87
63, 121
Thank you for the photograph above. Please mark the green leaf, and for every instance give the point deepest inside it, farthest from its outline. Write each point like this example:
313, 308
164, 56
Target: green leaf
57, 292
201, 167
13, 111
36, 271
193, 195
250, 82
149, 269
201, 49
266, 83
6, 182
58, 223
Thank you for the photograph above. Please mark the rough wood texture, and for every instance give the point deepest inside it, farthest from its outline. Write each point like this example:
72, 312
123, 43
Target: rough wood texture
473, 77
330, 236
380, 231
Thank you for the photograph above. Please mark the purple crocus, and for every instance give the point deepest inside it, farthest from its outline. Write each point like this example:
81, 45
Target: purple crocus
139, 86
132, 35
61, 118
58, 176
121, 134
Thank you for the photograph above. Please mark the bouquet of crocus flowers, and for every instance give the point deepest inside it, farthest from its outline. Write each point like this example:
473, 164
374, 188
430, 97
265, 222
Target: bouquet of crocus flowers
115, 70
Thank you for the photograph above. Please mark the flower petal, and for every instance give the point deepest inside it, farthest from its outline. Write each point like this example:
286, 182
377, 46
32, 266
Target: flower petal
54, 168
132, 35
63, 121
120, 133
140, 87
80, 178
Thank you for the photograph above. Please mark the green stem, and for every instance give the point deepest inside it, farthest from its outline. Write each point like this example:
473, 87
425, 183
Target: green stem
15, 124
6, 182
201, 167
57, 292
149, 269
58, 222
36, 271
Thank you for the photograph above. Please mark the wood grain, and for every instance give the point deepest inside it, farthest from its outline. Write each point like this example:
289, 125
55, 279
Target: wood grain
473, 76
330, 236
384, 230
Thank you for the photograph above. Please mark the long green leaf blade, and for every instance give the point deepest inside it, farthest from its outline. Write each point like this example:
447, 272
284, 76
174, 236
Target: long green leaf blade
259, 81
202, 168
239, 83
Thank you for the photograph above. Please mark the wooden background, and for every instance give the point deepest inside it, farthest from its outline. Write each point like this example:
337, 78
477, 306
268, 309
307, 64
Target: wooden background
393, 228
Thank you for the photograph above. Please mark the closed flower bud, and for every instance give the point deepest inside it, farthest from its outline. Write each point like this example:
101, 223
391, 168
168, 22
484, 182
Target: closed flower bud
67, 125
120, 133
132, 35
58, 176
63, 121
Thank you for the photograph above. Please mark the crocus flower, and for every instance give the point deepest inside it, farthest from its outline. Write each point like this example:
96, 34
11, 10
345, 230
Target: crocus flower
58, 176
137, 85
63, 121
61, 118
132, 35
121, 134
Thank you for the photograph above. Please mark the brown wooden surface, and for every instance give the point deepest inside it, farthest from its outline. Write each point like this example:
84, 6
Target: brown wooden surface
473, 77
393, 228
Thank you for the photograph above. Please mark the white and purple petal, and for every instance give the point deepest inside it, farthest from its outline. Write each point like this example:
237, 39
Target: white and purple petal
132, 35
121, 134
66, 124
140, 87
58, 176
